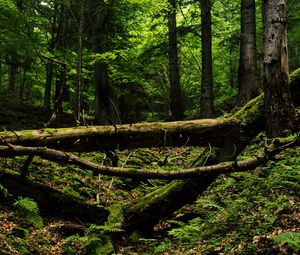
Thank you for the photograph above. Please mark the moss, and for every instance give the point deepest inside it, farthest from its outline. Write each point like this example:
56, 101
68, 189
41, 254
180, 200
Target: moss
159, 194
250, 112
116, 214
25, 135
99, 246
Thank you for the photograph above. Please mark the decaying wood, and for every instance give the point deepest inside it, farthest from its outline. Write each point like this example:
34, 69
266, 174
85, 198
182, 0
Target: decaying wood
68, 158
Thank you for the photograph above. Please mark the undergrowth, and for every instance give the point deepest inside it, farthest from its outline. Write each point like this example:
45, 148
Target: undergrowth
244, 213
253, 212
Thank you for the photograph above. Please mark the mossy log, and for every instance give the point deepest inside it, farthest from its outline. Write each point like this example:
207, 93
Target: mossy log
53, 203
130, 136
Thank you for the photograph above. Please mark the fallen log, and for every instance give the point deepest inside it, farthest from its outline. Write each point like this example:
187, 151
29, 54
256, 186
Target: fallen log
141, 135
53, 203
68, 158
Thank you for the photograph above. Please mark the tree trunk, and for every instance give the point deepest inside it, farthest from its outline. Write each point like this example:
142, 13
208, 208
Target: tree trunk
49, 77
207, 109
248, 83
1, 71
79, 65
279, 109
49, 65
12, 82
176, 104
106, 111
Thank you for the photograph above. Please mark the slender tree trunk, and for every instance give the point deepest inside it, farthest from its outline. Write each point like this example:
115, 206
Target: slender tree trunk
176, 104
12, 82
59, 90
248, 84
26, 67
279, 109
79, 65
49, 65
49, 77
207, 109
61, 80
1, 72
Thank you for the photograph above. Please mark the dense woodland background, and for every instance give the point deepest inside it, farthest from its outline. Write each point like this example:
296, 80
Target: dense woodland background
198, 70
114, 55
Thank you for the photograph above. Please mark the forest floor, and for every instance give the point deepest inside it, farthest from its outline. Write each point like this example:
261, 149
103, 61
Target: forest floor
255, 212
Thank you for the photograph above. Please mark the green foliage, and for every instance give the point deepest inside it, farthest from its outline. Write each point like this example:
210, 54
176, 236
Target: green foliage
29, 210
292, 239
74, 245
99, 230
238, 209
99, 246
3, 191
187, 233
89, 245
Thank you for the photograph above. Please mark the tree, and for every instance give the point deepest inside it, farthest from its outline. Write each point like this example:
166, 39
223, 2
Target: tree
79, 64
248, 85
207, 108
279, 109
101, 32
176, 104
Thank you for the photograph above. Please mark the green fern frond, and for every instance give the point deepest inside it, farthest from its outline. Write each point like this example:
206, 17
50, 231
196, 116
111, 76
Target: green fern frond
29, 209
292, 239
95, 229
187, 232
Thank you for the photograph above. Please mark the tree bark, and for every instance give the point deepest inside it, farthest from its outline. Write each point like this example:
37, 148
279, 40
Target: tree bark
248, 83
279, 109
176, 104
207, 97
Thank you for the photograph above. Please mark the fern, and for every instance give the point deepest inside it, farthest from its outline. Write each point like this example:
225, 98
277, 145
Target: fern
95, 229
187, 233
29, 209
292, 239
3, 192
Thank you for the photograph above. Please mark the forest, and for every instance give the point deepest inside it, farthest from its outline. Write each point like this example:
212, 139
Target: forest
135, 127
